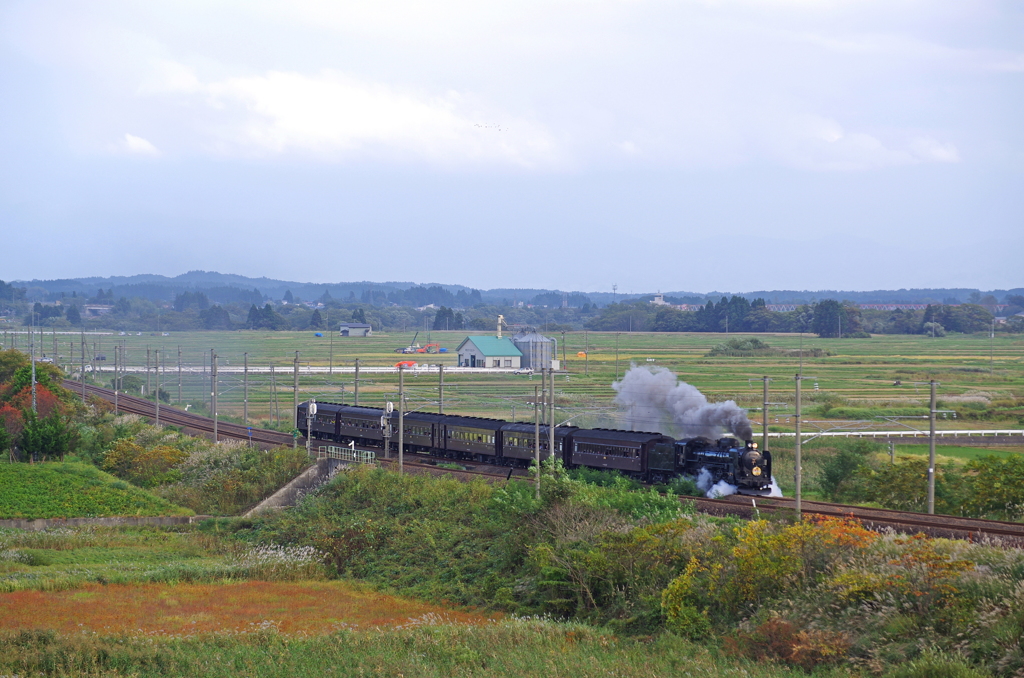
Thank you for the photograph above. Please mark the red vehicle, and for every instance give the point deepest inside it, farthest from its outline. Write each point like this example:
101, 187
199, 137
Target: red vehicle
406, 363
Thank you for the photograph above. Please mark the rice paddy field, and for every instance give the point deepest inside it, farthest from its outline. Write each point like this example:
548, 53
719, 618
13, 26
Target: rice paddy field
856, 377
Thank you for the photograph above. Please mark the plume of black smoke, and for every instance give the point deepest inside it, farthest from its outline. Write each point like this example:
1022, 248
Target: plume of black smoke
652, 399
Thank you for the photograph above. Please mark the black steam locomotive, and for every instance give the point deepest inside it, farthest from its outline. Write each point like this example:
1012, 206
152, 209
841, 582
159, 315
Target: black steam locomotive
648, 457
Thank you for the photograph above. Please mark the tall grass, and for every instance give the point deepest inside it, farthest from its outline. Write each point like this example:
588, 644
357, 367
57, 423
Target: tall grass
515, 648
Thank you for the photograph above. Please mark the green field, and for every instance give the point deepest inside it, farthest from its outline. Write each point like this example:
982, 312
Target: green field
976, 374
57, 490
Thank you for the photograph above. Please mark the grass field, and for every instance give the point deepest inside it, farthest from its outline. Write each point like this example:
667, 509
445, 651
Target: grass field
971, 369
56, 490
64, 559
515, 648
960, 453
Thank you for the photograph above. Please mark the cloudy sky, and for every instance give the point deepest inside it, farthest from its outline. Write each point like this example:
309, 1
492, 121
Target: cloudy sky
692, 145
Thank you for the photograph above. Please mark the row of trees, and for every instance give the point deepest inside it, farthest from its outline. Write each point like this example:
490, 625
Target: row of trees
828, 318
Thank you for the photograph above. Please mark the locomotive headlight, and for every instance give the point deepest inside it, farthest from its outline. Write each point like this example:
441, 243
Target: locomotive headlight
753, 446
756, 470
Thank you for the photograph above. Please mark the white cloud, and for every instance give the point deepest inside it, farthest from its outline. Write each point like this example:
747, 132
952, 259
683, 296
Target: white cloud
139, 146
930, 150
334, 115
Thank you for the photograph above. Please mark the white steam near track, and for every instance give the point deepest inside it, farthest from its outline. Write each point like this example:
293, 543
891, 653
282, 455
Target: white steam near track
724, 489
653, 399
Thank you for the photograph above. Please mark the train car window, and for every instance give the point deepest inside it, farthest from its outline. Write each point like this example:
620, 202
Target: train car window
607, 450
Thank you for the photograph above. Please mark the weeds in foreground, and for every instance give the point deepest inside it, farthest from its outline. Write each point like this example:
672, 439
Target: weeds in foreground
520, 647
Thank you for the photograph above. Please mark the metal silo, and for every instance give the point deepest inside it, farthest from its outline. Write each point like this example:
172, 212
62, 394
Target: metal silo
537, 349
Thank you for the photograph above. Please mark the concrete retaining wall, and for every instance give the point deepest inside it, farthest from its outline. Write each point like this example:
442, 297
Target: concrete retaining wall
311, 478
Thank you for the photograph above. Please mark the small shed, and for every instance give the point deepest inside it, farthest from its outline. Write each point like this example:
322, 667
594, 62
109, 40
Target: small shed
488, 351
356, 330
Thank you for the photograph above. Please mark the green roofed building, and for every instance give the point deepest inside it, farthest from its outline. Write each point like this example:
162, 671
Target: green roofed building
489, 351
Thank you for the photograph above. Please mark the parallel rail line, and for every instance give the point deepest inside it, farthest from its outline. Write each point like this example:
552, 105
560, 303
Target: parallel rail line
189, 420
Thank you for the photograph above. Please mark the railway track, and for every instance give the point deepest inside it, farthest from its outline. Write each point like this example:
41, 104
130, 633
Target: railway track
743, 506
190, 421
952, 527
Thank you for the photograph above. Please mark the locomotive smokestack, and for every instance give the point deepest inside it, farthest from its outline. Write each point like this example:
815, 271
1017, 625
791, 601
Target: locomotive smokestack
653, 398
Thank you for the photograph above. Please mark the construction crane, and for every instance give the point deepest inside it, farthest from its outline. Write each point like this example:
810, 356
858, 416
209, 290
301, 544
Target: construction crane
413, 347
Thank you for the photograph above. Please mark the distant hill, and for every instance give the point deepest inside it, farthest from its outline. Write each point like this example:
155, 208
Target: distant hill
225, 285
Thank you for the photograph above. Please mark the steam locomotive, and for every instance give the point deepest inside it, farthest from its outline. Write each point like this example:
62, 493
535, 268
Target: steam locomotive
647, 457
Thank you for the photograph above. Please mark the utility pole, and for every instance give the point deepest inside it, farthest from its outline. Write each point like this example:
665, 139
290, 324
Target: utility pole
213, 391
798, 472
764, 414
117, 351
83, 366
356, 388
440, 388
991, 347
798, 476
204, 375
148, 385
295, 396
179, 375
536, 439
245, 390
931, 449
273, 394
616, 356
401, 417
32, 351
551, 413
586, 353
310, 415
330, 360
157, 400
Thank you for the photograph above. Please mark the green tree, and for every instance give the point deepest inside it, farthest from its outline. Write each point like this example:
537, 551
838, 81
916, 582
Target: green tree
215, 318
316, 321
73, 315
5, 441
833, 319
11, 361
47, 436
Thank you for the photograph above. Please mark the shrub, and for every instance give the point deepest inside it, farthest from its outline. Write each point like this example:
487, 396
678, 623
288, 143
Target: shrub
781, 640
680, 605
936, 665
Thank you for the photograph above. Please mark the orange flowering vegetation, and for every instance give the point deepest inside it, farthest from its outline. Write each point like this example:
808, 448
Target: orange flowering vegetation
780, 640
187, 609
769, 559
925, 574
